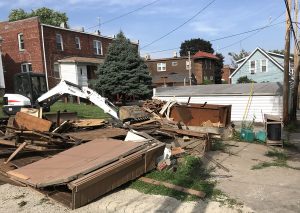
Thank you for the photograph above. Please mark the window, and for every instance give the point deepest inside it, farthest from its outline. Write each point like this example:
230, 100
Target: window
26, 67
59, 42
252, 67
210, 64
21, 41
56, 70
161, 67
187, 65
205, 78
264, 65
211, 78
97, 47
77, 42
174, 63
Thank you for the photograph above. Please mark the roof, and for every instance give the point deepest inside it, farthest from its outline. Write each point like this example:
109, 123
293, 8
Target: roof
201, 54
249, 56
170, 78
270, 53
82, 60
167, 59
259, 89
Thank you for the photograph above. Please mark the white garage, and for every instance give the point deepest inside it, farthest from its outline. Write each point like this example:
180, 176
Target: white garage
266, 98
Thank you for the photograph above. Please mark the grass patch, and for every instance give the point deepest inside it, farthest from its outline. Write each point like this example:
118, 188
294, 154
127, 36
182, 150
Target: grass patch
190, 174
279, 160
83, 110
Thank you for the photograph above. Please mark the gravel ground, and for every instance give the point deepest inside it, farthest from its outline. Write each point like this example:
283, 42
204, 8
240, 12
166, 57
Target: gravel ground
24, 199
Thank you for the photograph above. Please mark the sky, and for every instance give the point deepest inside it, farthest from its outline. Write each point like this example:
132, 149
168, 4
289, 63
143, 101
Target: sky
219, 19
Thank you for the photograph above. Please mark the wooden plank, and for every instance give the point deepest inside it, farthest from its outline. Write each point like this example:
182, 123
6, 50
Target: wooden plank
74, 162
29, 122
16, 152
184, 132
89, 122
172, 186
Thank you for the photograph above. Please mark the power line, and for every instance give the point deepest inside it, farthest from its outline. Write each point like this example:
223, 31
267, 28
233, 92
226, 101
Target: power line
259, 30
181, 25
125, 14
229, 36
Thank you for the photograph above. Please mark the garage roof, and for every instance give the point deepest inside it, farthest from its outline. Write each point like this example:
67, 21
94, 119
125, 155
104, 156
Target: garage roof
221, 90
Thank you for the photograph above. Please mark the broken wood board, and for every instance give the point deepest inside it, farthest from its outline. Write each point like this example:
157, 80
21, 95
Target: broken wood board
32, 111
184, 132
75, 162
99, 133
29, 122
89, 123
16, 152
172, 186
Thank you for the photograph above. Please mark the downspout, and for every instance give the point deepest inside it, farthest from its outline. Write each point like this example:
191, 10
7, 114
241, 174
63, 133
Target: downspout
44, 55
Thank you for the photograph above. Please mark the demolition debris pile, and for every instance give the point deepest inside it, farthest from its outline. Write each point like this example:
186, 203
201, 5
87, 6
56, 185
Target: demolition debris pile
75, 161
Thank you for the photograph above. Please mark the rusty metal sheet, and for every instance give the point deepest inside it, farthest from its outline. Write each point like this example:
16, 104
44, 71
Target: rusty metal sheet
99, 133
74, 162
197, 114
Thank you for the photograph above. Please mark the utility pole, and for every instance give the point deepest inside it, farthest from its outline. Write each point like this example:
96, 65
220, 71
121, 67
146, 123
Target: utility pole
285, 109
190, 65
296, 68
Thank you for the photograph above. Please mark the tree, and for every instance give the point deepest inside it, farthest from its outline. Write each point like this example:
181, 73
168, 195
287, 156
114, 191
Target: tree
237, 56
46, 15
17, 14
124, 73
194, 45
244, 80
218, 70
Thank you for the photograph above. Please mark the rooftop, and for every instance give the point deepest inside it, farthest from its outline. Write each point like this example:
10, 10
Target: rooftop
221, 89
201, 54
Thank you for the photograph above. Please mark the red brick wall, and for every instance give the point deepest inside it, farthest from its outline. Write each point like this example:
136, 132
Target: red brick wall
11, 55
227, 71
69, 47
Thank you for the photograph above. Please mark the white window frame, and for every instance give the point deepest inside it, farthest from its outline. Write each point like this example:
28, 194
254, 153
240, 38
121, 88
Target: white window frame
161, 67
77, 43
27, 65
250, 69
261, 66
60, 41
205, 78
56, 64
20, 42
187, 65
97, 47
211, 78
174, 63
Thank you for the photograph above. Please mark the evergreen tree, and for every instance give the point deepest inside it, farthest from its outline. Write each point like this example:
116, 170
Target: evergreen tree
218, 70
124, 73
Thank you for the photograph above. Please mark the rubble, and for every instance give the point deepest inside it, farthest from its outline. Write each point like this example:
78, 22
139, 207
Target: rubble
93, 155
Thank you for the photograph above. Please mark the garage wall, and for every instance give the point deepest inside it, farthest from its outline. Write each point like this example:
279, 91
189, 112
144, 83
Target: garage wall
259, 104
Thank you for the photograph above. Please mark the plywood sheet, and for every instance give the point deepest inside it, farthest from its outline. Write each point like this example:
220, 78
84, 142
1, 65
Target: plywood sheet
75, 162
29, 122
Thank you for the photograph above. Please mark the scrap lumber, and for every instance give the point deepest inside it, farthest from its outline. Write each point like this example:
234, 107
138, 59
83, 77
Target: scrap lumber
29, 122
98, 133
16, 152
172, 186
14, 144
185, 132
75, 162
89, 123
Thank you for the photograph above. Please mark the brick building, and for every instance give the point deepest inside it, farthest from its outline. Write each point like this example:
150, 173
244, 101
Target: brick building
59, 52
175, 71
227, 71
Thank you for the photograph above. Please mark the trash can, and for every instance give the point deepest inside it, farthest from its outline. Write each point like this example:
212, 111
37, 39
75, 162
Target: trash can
247, 135
274, 131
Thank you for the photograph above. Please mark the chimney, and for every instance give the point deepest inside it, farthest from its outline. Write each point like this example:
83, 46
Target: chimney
63, 25
147, 57
175, 54
98, 32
